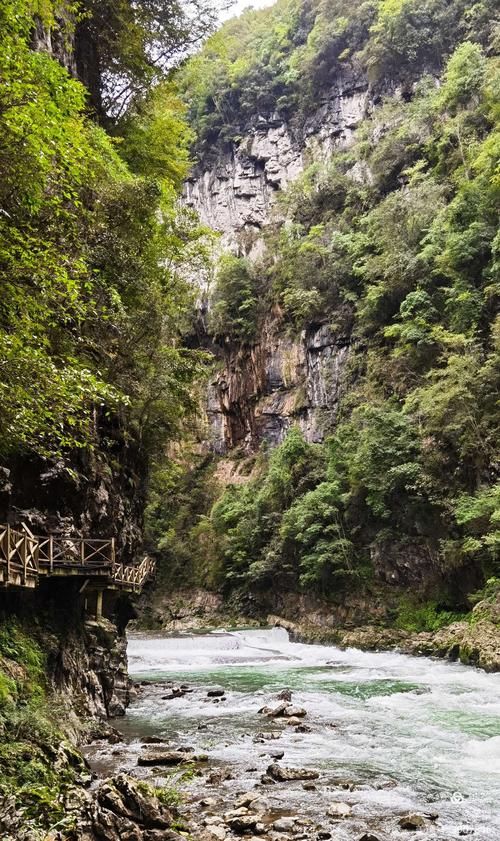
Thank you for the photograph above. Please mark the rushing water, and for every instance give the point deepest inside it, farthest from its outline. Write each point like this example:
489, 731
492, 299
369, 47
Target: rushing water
407, 734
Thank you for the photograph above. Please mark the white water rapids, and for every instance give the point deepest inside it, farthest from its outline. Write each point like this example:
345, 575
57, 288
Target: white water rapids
408, 734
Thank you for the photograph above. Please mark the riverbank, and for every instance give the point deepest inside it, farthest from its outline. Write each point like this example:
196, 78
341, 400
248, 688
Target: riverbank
471, 643
58, 685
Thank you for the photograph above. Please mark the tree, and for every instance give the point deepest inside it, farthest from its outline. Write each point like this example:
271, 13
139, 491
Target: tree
124, 47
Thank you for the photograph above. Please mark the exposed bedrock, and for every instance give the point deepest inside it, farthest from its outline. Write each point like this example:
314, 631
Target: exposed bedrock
234, 190
280, 380
283, 377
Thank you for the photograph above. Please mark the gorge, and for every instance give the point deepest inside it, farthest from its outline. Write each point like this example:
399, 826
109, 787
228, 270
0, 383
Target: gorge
249, 339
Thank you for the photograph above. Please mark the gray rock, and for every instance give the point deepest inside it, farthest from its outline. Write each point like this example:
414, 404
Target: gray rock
412, 822
284, 695
283, 775
284, 824
164, 757
339, 810
295, 712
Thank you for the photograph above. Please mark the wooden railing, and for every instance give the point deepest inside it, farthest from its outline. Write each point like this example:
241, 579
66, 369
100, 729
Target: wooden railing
18, 556
24, 557
135, 576
63, 551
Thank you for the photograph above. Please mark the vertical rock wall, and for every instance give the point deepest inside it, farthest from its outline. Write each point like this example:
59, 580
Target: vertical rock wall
282, 378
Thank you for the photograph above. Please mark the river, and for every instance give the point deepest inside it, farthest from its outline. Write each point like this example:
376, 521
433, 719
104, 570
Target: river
389, 734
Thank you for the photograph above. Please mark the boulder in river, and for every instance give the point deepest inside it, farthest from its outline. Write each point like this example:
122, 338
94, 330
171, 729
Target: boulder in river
339, 810
284, 695
218, 833
247, 799
412, 822
284, 775
241, 824
284, 825
368, 836
278, 711
295, 712
177, 692
215, 693
164, 757
215, 778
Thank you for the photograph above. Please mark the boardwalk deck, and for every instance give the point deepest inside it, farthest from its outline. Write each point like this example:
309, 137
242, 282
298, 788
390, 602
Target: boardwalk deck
26, 558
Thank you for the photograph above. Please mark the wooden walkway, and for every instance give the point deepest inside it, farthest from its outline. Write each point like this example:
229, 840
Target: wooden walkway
26, 558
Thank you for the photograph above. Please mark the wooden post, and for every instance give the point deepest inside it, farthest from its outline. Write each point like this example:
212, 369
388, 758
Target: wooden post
113, 551
82, 552
98, 609
51, 553
24, 557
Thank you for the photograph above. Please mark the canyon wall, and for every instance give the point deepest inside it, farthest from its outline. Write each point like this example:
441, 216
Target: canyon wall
283, 378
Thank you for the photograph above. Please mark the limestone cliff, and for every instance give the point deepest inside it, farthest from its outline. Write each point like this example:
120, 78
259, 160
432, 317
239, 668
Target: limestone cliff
234, 189
282, 378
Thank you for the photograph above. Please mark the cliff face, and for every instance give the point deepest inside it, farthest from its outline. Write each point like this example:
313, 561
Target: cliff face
100, 493
234, 191
281, 378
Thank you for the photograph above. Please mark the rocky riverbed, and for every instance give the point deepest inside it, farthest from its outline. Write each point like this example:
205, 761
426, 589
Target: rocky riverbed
273, 740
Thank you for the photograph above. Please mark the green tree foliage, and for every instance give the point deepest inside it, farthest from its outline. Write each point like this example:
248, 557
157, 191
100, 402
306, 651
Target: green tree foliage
91, 251
235, 306
247, 520
182, 493
283, 58
125, 48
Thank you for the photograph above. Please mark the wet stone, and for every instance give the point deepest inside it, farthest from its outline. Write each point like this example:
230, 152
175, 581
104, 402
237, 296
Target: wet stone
166, 757
412, 822
339, 810
281, 774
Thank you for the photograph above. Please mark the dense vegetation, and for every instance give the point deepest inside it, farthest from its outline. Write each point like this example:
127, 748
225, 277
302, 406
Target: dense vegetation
93, 306
396, 240
91, 252
37, 762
